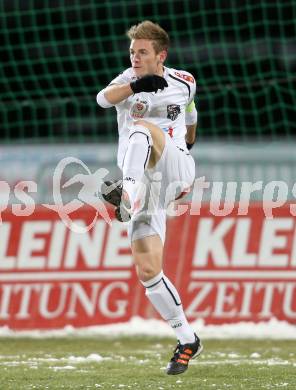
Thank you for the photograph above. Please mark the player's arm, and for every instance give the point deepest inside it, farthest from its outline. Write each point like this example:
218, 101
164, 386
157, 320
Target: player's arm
191, 124
116, 93
190, 135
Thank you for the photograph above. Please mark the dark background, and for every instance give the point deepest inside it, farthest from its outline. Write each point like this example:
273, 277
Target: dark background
56, 56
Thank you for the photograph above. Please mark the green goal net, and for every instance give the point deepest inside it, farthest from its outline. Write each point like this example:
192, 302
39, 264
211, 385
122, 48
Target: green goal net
56, 56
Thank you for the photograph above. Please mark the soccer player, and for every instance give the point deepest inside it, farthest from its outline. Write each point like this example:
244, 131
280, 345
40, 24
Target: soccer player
156, 123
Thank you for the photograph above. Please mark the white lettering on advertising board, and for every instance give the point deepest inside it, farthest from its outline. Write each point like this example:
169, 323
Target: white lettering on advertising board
210, 242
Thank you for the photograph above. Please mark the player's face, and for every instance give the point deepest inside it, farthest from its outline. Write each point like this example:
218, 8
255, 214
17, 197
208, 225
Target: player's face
144, 59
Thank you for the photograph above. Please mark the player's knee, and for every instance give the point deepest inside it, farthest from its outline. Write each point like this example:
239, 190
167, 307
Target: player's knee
146, 272
138, 132
141, 122
154, 131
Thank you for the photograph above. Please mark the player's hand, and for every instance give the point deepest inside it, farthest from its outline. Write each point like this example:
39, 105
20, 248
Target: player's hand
148, 83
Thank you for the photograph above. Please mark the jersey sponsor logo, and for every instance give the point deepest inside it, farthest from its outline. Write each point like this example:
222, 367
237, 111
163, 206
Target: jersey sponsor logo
173, 110
185, 77
139, 108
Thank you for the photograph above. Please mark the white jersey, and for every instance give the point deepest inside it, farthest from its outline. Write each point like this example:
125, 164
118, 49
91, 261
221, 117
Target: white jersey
166, 108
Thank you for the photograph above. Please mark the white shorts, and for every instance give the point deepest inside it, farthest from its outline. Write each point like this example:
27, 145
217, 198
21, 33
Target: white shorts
172, 176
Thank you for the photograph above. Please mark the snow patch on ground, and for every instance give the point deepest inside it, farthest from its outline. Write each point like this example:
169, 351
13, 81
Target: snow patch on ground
64, 368
255, 355
90, 358
273, 329
69, 361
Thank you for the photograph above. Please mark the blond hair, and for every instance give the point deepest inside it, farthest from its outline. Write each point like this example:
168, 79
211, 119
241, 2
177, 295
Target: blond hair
151, 31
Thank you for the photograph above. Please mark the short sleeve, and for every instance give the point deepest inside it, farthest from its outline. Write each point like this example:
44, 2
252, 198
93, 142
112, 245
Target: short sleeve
122, 78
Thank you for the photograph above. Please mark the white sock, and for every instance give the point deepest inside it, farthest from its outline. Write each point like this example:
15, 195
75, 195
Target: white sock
165, 299
136, 160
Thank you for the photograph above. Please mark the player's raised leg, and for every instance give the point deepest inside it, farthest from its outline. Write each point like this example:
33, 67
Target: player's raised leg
145, 147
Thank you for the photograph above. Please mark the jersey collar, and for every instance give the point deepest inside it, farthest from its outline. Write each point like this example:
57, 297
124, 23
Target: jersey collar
165, 72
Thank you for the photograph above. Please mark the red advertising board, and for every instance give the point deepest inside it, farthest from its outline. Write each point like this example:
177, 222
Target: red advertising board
227, 269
